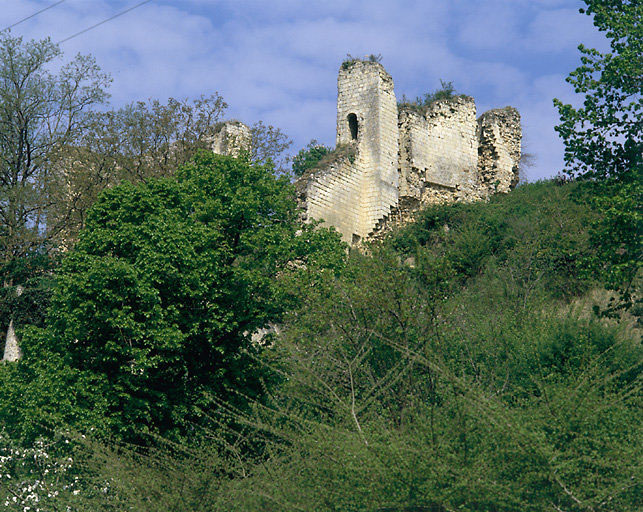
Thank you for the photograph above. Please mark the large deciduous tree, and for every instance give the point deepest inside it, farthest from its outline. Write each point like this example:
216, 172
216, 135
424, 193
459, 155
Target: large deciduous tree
137, 142
604, 141
141, 141
169, 278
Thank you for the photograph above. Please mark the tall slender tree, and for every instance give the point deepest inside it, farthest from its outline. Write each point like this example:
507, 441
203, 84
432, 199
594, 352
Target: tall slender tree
41, 111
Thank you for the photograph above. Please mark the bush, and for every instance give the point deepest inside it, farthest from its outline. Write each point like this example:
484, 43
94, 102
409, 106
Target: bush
350, 61
422, 103
309, 157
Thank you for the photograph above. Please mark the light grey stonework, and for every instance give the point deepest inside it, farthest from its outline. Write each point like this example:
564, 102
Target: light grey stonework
354, 192
438, 146
406, 159
500, 137
12, 350
231, 138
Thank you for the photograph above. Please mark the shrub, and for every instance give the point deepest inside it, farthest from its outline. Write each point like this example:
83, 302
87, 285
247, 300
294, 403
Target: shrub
308, 157
423, 103
350, 61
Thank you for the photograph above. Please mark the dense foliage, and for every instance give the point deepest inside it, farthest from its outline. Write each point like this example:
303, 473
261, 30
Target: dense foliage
457, 367
59, 151
156, 303
309, 157
604, 137
604, 141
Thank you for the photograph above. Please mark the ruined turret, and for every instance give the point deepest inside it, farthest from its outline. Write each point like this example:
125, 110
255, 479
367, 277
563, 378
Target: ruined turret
231, 138
353, 193
499, 150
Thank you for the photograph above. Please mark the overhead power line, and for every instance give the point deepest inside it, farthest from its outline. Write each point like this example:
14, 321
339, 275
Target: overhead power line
33, 15
103, 22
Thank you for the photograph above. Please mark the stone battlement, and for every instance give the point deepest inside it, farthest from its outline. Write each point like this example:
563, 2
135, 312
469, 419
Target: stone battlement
407, 157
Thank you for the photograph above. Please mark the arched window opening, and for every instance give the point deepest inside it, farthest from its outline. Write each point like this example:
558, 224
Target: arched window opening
352, 124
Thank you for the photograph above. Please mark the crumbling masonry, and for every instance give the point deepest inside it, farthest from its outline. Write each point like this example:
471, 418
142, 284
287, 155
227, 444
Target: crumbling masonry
392, 161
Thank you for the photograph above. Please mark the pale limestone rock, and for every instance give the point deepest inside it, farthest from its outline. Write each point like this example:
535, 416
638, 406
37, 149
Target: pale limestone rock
499, 150
231, 138
12, 350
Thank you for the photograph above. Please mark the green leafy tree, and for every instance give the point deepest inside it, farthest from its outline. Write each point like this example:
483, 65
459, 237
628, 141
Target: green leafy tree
158, 299
604, 137
308, 157
138, 142
604, 141
40, 113
27, 302
268, 143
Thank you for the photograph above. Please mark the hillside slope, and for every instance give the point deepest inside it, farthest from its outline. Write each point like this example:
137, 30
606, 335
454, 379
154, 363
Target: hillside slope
458, 366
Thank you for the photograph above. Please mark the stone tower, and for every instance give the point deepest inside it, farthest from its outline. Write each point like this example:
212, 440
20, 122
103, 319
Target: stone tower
367, 117
389, 164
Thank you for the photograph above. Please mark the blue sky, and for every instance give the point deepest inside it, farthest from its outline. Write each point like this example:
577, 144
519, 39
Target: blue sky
277, 60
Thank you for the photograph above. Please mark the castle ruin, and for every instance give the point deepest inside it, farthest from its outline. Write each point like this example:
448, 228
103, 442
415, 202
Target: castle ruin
390, 161
231, 138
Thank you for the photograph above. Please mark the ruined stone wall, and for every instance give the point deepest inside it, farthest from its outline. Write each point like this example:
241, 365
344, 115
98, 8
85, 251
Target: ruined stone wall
406, 160
332, 194
438, 146
365, 94
231, 138
499, 150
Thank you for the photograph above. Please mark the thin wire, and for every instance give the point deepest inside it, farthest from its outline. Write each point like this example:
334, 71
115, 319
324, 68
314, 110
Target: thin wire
34, 14
102, 22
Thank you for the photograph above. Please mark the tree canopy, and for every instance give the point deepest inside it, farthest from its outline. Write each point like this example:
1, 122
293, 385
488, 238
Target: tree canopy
604, 142
604, 137
40, 113
169, 279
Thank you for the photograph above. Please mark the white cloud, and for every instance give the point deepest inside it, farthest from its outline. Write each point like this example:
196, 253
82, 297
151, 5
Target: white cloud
278, 60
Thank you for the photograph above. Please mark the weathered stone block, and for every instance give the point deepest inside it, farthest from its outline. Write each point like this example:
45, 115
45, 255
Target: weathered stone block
231, 138
499, 150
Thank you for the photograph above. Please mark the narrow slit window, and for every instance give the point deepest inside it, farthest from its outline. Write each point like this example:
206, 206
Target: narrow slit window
352, 124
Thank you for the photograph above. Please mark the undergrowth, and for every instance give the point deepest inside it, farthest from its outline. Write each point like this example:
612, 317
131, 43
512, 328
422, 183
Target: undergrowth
462, 379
